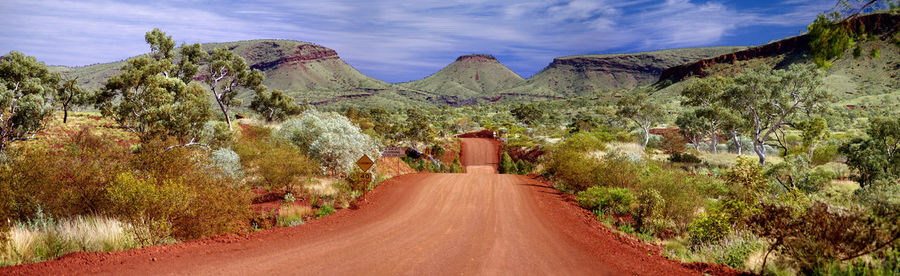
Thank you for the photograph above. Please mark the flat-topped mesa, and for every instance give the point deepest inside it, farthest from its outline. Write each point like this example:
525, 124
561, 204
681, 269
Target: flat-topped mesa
478, 58
303, 53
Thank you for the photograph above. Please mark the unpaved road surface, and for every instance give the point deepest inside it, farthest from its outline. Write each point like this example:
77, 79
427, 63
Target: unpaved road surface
422, 224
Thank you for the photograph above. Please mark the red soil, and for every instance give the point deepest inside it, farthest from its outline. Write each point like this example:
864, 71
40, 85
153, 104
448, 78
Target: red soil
422, 224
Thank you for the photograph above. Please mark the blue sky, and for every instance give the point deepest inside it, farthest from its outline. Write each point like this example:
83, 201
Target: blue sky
401, 40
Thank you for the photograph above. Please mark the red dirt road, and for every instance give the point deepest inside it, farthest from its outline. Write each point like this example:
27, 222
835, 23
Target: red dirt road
419, 224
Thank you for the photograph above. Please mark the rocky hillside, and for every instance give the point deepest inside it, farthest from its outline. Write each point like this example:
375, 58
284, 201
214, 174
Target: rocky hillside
587, 74
870, 81
881, 25
468, 77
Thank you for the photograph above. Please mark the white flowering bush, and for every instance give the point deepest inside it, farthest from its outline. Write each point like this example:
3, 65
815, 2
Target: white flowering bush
329, 138
228, 162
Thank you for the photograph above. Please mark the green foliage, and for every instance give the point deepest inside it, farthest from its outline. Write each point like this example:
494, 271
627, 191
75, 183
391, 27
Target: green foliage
828, 40
141, 201
507, 166
642, 111
418, 127
746, 180
732, 251
796, 172
876, 157
329, 138
325, 210
522, 167
649, 207
528, 113
275, 105
684, 158
228, 162
27, 90
607, 200
770, 100
456, 166
227, 72
273, 163
216, 135
154, 95
69, 94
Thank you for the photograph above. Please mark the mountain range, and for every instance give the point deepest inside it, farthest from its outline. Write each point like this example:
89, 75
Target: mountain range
316, 74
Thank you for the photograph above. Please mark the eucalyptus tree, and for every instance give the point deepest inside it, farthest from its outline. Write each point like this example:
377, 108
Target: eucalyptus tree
228, 72
26, 97
274, 105
813, 130
69, 94
691, 126
705, 95
772, 100
155, 95
641, 110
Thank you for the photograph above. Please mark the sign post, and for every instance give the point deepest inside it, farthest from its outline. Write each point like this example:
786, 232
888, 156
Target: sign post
394, 152
364, 178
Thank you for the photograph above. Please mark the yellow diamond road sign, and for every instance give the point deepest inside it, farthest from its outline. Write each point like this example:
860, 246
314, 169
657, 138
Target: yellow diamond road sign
365, 163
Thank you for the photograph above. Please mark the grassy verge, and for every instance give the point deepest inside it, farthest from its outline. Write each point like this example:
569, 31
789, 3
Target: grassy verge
44, 238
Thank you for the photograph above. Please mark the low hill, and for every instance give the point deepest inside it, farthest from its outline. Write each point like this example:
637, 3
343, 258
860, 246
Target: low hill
468, 77
588, 74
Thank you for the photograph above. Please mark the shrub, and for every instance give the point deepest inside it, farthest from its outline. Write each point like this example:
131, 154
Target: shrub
507, 166
572, 168
745, 142
217, 135
292, 215
710, 227
607, 200
140, 201
227, 162
731, 251
684, 158
329, 138
456, 166
673, 143
616, 171
649, 206
522, 167
325, 210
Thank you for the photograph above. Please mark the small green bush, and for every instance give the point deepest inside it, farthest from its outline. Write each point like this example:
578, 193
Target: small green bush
507, 166
709, 227
325, 210
140, 201
607, 200
684, 158
732, 251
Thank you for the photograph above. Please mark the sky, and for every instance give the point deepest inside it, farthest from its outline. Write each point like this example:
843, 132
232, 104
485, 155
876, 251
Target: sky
401, 40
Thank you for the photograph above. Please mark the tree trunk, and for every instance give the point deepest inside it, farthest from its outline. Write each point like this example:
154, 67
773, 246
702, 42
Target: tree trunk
737, 143
714, 142
760, 150
224, 112
812, 151
65, 115
646, 137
